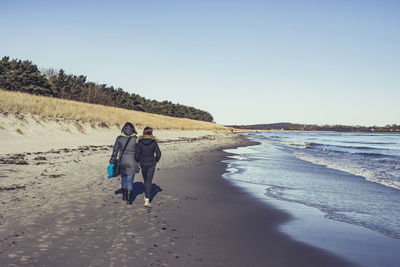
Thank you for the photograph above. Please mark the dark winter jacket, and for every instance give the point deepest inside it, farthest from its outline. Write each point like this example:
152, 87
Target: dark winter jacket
147, 151
129, 166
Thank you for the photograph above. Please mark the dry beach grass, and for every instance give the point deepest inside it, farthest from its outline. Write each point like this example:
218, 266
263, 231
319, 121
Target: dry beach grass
48, 107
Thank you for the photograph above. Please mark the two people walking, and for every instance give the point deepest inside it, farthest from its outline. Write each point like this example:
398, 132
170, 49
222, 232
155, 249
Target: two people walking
143, 151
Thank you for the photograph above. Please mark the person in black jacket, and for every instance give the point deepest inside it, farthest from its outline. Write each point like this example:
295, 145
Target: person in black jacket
147, 154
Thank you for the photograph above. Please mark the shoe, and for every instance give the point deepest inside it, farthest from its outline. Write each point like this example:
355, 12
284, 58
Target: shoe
129, 199
124, 194
147, 202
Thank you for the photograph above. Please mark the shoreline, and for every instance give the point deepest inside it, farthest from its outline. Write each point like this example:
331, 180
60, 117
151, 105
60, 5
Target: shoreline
66, 212
310, 224
277, 248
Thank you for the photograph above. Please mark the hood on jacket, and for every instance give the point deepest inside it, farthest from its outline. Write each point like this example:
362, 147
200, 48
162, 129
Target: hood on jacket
128, 130
147, 139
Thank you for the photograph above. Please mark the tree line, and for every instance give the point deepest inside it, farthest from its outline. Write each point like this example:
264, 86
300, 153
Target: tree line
286, 126
24, 76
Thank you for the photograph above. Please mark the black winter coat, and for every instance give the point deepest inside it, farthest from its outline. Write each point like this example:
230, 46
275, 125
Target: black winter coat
147, 151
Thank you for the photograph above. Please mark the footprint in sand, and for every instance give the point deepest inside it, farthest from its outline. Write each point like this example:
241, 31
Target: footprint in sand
44, 247
61, 233
25, 258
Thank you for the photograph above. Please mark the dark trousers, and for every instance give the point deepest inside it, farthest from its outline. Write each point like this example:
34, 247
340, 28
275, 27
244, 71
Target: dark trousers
148, 173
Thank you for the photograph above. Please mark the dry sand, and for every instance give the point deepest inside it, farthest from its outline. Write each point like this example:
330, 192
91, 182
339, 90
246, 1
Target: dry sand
59, 209
30, 133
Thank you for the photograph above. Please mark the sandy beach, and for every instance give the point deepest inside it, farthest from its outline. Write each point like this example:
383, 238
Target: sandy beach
59, 209
276, 124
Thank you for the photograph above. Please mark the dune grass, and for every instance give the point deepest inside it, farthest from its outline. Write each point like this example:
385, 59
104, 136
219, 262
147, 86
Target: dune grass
48, 107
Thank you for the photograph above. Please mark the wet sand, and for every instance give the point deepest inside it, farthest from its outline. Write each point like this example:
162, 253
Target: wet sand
59, 209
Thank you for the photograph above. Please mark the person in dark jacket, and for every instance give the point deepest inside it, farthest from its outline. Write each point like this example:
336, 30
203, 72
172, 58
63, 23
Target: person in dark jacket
128, 165
147, 154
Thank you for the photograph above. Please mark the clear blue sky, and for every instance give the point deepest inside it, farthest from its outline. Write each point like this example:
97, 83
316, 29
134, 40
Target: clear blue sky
246, 62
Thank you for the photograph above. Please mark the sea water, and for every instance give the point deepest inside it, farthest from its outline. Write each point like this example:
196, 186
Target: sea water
349, 178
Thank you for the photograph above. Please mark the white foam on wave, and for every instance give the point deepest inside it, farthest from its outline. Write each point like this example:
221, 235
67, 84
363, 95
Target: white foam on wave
372, 175
230, 169
237, 157
292, 144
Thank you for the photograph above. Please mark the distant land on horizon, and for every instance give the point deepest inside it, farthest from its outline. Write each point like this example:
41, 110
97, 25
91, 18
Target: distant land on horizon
287, 126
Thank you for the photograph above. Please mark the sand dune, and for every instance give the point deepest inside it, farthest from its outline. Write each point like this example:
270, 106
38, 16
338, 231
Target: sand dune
31, 133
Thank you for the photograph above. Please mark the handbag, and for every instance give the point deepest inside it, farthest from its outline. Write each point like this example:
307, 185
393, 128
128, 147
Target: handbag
117, 164
110, 171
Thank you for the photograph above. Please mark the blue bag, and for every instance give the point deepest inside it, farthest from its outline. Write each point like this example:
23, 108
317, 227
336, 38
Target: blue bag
114, 169
110, 170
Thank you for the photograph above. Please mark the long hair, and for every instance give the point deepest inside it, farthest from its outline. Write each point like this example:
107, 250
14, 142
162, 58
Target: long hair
148, 131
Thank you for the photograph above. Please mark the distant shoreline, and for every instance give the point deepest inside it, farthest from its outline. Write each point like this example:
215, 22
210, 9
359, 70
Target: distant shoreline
307, 131
286, 126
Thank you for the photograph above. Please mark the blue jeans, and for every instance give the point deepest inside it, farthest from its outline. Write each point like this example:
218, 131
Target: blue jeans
127, 181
